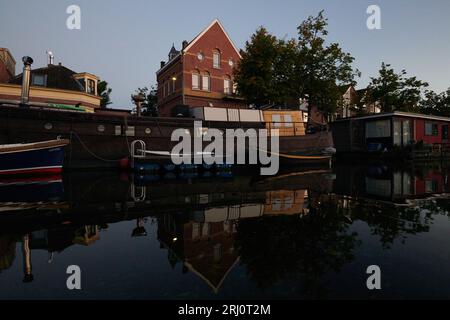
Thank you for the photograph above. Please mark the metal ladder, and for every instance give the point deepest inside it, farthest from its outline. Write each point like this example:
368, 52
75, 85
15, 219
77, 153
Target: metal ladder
138, 148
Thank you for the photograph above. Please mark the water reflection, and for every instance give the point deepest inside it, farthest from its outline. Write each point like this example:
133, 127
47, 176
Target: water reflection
298, 235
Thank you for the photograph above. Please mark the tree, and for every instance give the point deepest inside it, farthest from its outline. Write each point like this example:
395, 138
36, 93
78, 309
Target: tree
321, 68
150, 104
104, 92
436, 104
255, 76
394, 91
282, 72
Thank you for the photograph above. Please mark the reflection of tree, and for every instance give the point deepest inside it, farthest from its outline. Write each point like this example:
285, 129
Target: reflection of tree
391, 222
274, 248
7, 251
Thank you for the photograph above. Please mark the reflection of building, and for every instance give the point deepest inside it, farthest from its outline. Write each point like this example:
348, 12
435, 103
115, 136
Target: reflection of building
57, 240
203, 241
205, 248
286, 202
86, 235
381, 182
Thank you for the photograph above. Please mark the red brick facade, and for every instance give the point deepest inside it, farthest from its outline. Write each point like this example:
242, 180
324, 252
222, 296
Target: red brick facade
7, 65
175, 78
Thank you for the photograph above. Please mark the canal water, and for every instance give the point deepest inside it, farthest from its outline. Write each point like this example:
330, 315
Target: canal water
307, 234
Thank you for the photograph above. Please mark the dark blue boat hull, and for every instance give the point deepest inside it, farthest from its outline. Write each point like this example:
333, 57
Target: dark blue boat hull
47, 160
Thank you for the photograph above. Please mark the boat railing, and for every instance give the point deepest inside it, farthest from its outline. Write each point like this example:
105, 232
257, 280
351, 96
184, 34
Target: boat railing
138, 193
138, 148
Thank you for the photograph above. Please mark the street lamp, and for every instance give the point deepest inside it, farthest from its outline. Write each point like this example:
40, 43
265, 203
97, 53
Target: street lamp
138, 99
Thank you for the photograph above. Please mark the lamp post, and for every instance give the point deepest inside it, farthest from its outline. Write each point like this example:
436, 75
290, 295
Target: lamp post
138, 99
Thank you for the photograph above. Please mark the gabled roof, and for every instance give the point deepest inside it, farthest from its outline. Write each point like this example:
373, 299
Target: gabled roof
194, 41
201, 34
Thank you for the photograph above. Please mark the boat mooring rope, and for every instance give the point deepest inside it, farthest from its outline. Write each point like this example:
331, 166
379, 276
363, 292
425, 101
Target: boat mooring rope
92, 153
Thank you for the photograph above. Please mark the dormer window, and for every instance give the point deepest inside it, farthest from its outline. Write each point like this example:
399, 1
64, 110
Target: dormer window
88, 81
39, 80
91, 86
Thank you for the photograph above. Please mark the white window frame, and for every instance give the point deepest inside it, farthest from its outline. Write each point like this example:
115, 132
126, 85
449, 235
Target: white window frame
206, 82
216, 59
227, 86
197, 76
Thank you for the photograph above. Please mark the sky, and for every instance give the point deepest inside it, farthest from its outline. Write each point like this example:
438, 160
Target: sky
123, 42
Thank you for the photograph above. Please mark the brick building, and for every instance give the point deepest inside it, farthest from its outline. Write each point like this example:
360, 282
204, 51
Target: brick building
201, 74
7, 65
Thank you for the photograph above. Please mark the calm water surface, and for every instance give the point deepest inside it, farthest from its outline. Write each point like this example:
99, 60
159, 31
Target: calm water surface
300, 235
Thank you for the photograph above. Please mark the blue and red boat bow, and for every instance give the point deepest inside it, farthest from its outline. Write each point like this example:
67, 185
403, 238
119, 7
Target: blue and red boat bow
44, 157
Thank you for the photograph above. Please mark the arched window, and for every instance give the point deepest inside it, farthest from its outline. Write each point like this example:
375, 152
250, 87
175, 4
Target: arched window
195, 80
206, 82
227, 85
216, 59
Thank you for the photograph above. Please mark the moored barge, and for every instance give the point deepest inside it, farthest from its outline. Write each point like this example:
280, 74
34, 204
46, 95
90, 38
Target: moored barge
103, 139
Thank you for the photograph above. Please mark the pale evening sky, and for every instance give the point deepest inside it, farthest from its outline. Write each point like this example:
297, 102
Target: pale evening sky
123, 42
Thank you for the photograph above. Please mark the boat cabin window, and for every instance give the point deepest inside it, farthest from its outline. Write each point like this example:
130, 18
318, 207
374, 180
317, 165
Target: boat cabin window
288, 121
378, 129
445, 132
276, 119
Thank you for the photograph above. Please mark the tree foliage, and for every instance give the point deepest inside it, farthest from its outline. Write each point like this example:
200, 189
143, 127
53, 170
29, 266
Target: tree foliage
255, 76
436, 104
278, 71
150, 104
104, 92
395, 91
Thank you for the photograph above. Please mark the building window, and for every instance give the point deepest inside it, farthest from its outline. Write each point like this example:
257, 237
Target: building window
206, 82
431, 129
216, 59
195, 80
168, 87
90, 86
38, 80
227, 85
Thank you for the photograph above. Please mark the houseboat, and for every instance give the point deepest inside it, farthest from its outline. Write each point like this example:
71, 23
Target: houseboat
398, 135
103, 140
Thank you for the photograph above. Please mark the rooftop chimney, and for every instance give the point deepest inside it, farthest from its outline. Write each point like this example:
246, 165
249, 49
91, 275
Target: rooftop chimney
185, 44
51, 57
25, 96
163, 63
